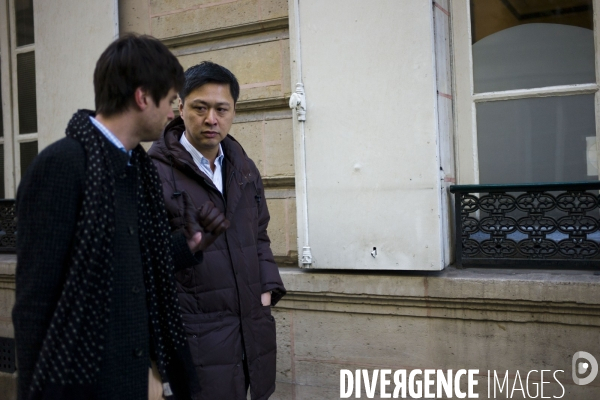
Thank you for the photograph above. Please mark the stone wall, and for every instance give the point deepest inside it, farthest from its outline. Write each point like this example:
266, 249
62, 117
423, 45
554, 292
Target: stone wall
497, 320
8, 382
473, 319
249, 37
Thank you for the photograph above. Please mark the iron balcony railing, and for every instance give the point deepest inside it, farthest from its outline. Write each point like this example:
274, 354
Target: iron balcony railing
553, 225
8, 226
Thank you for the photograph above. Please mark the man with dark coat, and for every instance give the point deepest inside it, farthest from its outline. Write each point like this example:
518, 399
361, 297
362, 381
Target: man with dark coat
226, 298
96, 313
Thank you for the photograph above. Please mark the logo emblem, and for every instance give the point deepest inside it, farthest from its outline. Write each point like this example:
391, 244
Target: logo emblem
580, 367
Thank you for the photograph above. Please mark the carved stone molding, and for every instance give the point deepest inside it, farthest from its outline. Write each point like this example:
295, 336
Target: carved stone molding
562, 297
449, 308
262, 104
262, 115
283, 182
230, 31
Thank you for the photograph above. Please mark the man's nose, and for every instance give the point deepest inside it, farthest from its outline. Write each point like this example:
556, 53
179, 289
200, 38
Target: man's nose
171, 115
211, 117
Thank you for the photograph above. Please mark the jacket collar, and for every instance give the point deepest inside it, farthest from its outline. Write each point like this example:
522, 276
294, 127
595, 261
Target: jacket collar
168, 149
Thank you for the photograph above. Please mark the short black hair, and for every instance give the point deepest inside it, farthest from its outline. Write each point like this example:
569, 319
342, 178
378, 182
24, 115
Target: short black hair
209, 72
130, 62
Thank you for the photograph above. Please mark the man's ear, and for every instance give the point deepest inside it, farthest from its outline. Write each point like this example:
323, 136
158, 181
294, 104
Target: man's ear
180, 106
141, 98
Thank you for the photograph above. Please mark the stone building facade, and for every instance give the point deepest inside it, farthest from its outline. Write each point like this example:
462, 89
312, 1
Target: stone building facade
398, 78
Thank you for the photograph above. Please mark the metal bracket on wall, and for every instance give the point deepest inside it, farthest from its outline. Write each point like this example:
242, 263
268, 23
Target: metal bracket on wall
298, 102
306, 257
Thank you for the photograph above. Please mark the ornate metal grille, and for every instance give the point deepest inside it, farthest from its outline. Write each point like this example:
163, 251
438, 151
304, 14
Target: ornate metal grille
7, 355
535, 225
8, 226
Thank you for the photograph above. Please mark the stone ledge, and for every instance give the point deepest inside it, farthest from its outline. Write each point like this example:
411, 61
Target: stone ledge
468, 309
279, 182
258, 115
263, 104
569, 297
8, 264
230, 42
231, 31
471, 287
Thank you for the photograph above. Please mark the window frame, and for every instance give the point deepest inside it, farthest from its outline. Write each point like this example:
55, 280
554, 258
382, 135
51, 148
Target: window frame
8, 58
17, 138
466, 100
7, 99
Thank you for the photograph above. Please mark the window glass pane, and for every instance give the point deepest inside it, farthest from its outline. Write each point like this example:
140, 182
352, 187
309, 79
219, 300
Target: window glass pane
526, 44
24, 21
549, 139
26, 92
28, 151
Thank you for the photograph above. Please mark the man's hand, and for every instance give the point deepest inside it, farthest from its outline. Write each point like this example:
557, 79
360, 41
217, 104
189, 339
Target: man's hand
202, 226
194, 242
265, 299
213, 223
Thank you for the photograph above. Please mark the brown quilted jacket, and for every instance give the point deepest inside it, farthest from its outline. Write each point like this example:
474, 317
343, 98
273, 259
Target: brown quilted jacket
220, 297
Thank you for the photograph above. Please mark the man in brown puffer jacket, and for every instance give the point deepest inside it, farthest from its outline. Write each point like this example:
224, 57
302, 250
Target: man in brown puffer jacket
226, 299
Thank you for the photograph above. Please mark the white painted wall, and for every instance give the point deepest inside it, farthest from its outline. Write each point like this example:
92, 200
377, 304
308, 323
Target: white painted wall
372, 167
70, 35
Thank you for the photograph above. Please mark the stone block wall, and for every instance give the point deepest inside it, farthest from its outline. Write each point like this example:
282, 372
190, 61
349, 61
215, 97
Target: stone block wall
250, 38
491, 320
515, 320
8, 382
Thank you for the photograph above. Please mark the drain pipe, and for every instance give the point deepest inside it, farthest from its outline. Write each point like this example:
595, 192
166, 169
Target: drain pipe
298, 103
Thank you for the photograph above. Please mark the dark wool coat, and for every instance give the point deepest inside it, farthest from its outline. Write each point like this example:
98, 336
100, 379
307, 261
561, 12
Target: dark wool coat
48, 203
221, 297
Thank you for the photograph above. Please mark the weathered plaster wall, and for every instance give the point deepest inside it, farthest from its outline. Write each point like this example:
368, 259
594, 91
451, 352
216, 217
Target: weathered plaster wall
65, 66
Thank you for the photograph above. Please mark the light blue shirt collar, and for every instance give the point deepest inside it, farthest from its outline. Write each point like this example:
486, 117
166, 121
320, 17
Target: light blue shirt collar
110, 136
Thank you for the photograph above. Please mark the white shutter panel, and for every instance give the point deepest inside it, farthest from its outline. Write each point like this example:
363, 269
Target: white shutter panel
372, 175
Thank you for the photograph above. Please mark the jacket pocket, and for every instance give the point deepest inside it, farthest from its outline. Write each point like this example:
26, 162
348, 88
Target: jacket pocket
206, 337
267, 311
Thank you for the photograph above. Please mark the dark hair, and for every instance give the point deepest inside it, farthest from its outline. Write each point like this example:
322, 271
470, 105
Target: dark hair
209, 72
131, 62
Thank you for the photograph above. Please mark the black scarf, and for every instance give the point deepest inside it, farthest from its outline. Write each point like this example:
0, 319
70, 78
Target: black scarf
72, 351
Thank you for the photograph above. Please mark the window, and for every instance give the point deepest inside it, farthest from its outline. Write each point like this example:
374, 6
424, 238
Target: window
526, 90
19, 133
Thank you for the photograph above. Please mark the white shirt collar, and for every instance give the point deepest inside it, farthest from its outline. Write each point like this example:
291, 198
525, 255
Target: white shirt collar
203, 164
197, 155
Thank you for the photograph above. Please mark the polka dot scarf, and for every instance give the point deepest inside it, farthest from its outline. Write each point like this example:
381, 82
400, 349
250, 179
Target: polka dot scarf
73, 347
